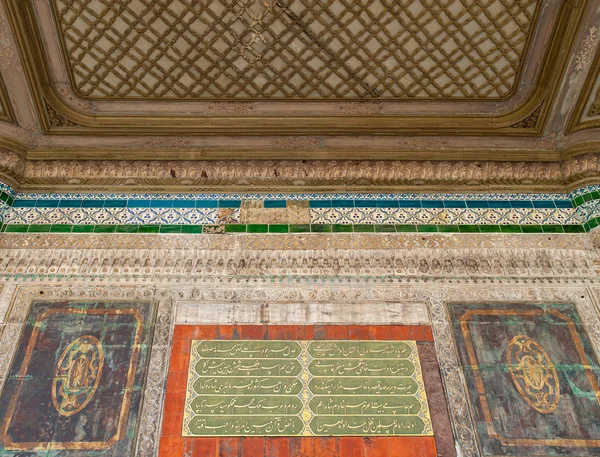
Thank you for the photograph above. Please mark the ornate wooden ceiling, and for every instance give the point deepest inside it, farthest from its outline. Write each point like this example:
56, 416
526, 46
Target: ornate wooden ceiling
5, 107
294, 49
440, 80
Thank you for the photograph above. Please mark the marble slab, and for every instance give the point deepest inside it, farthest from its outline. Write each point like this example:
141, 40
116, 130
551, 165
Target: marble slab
305, 388
303, 313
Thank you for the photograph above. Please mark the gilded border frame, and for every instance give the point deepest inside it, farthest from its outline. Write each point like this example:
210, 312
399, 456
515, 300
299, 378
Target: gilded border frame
420, 395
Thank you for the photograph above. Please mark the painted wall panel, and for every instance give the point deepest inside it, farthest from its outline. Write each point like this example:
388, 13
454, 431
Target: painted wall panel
532, 378
77, 379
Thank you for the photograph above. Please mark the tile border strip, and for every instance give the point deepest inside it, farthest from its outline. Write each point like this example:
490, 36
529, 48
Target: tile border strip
298, 228
575, 212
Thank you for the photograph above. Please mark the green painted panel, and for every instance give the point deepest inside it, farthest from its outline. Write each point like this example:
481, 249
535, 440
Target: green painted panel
247, 405
351, 405
299, 388
360, 349
361, 367
249, 349
245, 426
362, 386
367, 425
248, 367
245, 384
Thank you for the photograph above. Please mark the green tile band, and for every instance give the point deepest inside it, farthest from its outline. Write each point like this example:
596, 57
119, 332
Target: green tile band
585, 198
283, 228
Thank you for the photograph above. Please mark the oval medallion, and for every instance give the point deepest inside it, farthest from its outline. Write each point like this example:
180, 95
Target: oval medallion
533, 374
77, 375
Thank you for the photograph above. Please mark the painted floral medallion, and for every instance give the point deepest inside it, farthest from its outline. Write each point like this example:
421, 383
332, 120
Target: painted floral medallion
77, 375
76, 382
533, 374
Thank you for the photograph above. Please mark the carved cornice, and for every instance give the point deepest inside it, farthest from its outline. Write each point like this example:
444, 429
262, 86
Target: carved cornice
12, 167
267, 175
56, 119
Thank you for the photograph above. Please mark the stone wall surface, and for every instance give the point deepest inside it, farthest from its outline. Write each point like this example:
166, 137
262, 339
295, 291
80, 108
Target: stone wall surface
269, 280
298, 267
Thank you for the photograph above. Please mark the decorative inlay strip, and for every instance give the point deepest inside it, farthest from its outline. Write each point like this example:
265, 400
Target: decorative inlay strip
285, 213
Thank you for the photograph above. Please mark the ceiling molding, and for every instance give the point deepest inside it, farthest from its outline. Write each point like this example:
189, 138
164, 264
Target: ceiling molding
298, 175
6, 111
530, 122
587, 110
439, 143
55, 119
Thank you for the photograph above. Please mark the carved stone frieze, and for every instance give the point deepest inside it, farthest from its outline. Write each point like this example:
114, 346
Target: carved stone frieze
200, 264
182, 260
298, 242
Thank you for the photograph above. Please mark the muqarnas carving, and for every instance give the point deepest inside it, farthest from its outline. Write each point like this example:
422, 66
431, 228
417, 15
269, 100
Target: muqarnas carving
77, 379
532, 378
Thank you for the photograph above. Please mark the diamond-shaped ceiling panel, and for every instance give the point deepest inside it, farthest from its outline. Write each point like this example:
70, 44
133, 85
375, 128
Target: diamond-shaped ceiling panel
295, 49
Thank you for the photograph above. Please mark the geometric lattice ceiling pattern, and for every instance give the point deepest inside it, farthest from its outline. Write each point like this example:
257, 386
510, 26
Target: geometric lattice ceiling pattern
295, 49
